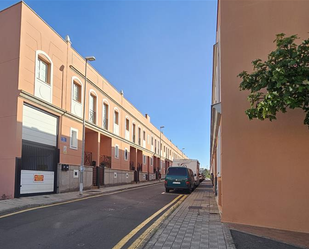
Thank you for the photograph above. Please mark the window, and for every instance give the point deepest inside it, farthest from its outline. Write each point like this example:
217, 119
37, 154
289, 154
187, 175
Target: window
127, 124
116, 151
126, 154
42, 72
77, 92
144, 159
92, 107
76, 97
74, 139
151, 161
116, 119
127, 131
133, 131
43, 76
105, 116
155, 145
144, 139
139, 136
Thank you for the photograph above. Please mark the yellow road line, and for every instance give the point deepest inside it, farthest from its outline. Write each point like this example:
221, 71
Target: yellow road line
125, 239
150, 229
71, 201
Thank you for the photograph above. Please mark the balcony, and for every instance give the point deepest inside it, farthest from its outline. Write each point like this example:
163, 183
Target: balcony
105, 124
92, 116
105, 161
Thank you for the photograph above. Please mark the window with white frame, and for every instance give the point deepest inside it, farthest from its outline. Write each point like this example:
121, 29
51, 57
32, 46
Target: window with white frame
144, 159
43, 70
74, 139
77, 92
43, 76
93, 108
151, 161
144, 139
151, 143
76, 97
139, 136
126, 154
105, 116
116, 121
127, 129
133, 133
116, 151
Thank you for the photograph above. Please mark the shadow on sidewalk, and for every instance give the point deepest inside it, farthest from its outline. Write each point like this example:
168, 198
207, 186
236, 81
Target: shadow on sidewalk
246, 241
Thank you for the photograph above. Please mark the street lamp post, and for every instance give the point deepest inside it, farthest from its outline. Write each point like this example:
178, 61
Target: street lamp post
81, 175
161, 127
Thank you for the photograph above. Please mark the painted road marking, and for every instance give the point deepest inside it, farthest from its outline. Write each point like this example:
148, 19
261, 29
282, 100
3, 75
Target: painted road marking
125, 239
150, 229
71, 201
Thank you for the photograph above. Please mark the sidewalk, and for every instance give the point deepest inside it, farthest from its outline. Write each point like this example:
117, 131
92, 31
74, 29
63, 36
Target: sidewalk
194, 224
11, 205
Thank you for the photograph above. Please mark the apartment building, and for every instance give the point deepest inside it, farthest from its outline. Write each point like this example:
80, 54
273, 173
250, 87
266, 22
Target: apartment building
41, 110
261, 167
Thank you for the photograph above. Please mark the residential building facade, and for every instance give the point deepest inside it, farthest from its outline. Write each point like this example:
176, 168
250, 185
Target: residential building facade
41, 111
261, 167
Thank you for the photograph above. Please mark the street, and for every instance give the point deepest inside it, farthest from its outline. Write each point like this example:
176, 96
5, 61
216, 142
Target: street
92, 223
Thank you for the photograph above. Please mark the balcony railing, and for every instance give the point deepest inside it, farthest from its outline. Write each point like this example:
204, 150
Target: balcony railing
132, 167
105, 161
105, 123
88, 158
92, 116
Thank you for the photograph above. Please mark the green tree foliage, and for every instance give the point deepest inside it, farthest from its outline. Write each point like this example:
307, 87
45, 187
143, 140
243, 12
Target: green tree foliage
280, 82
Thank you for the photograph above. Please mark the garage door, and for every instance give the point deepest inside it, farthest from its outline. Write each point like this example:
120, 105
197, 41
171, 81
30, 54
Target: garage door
39, 152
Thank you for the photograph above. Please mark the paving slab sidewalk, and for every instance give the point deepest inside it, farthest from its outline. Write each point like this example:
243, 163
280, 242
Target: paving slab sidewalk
195, 224
11, 205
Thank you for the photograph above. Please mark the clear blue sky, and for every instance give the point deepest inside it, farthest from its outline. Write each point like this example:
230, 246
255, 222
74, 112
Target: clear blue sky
162, 48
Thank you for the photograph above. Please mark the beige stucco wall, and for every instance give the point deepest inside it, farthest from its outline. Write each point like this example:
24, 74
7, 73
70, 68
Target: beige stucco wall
264, 164
9, 64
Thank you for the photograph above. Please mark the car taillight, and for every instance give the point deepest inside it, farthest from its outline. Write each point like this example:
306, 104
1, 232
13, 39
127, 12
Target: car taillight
165, 182
187, 182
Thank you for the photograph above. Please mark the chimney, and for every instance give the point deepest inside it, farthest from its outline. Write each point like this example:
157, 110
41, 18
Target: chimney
147, 117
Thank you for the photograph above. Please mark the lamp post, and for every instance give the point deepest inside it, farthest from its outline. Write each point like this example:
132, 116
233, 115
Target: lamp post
81, 179
161, 127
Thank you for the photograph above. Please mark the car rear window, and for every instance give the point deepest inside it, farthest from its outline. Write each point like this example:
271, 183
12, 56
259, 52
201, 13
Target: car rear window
177, 171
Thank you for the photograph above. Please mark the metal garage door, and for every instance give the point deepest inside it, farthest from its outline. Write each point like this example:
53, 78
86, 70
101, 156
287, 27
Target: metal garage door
38, 166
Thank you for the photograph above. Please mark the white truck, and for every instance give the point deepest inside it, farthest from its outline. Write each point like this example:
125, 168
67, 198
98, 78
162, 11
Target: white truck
192, 164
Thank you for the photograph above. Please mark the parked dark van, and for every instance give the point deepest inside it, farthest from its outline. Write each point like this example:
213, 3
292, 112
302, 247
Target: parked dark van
179, 178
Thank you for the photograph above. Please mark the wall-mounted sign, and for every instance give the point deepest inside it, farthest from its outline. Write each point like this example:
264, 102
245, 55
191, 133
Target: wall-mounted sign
39, 178
63, 139
65, 150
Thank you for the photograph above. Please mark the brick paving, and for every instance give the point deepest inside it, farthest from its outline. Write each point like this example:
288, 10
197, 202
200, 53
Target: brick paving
195, 224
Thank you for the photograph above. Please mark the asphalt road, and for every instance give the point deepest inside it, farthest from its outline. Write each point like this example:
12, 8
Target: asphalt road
93, 223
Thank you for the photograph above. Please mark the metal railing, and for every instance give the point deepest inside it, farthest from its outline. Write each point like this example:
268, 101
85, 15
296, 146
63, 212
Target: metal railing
88, 158
92, 116
105, 161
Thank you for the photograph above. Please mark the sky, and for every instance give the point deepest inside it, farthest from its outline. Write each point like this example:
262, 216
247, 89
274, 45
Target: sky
158, 52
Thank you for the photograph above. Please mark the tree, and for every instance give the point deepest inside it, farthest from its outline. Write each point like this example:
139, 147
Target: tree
280, 82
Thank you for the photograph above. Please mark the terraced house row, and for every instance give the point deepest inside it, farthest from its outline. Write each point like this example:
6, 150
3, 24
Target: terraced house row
41, 110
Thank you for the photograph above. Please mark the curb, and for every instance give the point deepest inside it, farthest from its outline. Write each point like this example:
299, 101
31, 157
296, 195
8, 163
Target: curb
228, 237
